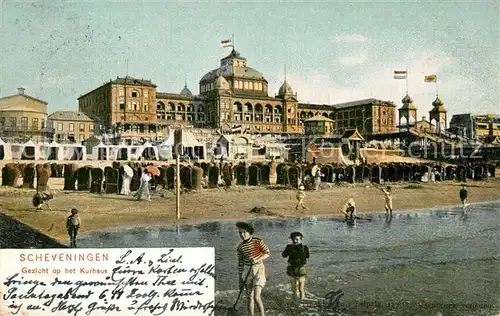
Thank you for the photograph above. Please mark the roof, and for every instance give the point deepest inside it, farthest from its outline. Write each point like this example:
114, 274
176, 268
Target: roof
133, 81
362, 102
175, 96
69, 116
186, 92
232, 70
26, 96
352, 134
318, 118
285, 89
308, 106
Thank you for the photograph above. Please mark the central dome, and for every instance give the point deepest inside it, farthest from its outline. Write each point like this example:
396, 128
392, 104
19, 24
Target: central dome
233, 65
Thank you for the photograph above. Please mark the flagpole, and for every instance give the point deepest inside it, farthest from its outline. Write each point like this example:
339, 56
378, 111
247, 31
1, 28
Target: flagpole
407, 80
232, 40
437, 93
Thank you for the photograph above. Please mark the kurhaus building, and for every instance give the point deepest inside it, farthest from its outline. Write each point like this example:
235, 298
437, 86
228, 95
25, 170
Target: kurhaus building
232, 96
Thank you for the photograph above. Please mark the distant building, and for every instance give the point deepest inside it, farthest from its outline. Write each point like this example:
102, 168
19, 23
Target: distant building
319, 125
475, 126
425, 126
232, 97
70, 126
22, 117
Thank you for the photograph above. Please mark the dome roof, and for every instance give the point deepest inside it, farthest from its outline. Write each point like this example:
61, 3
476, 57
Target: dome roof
285, 89
438, 105
407, 99
221, 83
437, 102
233, 65
186, 92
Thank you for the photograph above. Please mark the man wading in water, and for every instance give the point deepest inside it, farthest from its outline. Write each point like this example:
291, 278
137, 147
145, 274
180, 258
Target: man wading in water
297, 254
252, 251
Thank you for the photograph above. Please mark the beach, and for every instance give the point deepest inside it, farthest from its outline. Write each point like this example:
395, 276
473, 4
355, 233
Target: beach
100, 212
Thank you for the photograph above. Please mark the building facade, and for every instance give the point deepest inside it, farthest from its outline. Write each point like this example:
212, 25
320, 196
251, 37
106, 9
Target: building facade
22, 117
319, 125
231, 96
475, 126
70, 126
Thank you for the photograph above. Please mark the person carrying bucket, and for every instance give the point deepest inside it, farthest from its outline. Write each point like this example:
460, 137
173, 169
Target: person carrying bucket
252, 251
297, 254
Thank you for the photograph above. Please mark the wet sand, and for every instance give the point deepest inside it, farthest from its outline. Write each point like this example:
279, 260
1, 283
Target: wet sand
110, 211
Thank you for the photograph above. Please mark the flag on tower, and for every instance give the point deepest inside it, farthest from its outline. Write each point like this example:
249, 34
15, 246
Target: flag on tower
430, 78
400, 74
226, 43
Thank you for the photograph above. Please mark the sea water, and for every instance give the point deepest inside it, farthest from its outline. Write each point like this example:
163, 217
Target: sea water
431, 262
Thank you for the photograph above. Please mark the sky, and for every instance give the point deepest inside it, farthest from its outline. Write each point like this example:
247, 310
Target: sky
333, 51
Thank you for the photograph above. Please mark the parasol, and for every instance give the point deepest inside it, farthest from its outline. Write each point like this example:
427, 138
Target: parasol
128, 171
153, 170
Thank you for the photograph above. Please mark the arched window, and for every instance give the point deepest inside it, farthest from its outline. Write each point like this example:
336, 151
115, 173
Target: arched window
245, 85
258, 113
237, 111
160, 111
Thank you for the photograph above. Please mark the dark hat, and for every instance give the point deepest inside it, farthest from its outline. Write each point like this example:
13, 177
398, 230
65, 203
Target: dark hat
245, 226
295, 234
74, 211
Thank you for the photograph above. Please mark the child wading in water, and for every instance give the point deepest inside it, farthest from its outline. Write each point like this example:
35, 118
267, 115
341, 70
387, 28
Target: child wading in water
388, 200
252, 251
301, 195
72, 225
463, 197
297, 254
350, 210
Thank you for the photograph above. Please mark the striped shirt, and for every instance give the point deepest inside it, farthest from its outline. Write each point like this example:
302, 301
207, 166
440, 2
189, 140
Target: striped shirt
248, 250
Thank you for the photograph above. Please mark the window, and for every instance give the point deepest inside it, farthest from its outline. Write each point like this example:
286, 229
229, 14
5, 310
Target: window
81, 137
134, 94
2, 121
146, 108
121, 93
135, 106
34, 125
82, 127
71, 127
122, 106
91, 127
146, 93
24, 123
60, 126
42, 126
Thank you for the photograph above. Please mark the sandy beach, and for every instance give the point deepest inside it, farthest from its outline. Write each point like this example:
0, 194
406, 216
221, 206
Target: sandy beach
111, 211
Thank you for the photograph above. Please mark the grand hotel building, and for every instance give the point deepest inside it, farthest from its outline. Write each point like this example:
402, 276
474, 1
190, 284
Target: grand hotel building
232, 95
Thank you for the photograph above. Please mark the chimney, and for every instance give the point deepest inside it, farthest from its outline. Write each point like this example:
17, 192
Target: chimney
20, 90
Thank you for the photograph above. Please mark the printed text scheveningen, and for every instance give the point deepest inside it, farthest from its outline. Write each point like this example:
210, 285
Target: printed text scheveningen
66, 257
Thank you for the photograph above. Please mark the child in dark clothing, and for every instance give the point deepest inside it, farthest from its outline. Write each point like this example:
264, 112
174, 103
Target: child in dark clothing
297, 254
463, 197
73, 225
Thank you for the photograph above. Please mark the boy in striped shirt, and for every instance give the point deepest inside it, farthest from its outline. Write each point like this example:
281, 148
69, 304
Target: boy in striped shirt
252, 251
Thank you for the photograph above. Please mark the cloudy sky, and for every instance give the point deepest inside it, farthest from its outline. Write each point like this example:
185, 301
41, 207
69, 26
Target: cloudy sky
333, 52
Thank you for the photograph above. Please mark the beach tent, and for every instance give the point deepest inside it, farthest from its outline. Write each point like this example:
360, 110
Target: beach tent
123, 151
233, 147
147, 151
101, 152
51, 151
73, 152
165, 150
26, 151
5, 151
191, 146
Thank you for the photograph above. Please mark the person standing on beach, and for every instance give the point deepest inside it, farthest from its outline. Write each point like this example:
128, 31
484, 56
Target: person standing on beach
301, 195
73, 225
388, 200
143, 192
463, 196
252, 251
297, 254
